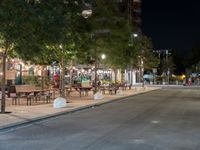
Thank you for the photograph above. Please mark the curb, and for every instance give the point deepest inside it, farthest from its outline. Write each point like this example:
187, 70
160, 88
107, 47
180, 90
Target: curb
27, 122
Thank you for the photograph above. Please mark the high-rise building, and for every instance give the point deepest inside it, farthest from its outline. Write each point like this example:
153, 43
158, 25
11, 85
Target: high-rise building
134, 12
132, 9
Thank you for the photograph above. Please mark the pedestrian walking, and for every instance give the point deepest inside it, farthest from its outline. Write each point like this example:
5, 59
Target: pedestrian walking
189, 81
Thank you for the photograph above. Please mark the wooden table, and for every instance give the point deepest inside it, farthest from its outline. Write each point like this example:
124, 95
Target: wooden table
109, 88
32, 94
84, 90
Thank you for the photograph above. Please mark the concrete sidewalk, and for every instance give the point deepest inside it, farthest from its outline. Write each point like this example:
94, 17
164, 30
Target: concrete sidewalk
23, 114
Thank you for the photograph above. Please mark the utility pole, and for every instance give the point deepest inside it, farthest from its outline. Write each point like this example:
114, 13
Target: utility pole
168, 70
142, 71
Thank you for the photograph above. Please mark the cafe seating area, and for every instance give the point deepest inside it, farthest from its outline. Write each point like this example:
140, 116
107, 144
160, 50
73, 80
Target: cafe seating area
33, 95
29, 94
112, 88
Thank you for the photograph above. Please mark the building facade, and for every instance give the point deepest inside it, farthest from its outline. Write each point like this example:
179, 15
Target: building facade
132, 10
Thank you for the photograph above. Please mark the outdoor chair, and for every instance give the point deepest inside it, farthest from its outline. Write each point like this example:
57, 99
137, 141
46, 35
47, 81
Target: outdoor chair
46, 95
13, 94
15, 98
129, 86
111, 89
30, 98
102, 90
68, 90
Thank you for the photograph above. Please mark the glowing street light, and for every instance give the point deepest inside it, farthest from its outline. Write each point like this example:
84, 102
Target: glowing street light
61, 47
135, 35
103, 56
87, 11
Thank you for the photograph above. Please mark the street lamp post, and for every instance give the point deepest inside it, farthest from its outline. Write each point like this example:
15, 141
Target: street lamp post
96, 63
103, 56
142, 71
86, 13
134, 35
168, 69
154, 75
168, 76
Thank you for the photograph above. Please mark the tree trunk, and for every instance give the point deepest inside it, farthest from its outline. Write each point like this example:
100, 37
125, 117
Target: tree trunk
122, 75
95, 77
95, 72
3, 82
60, 79
115, 72
131, 75
43, 77
62, 74
71, 71
20, 74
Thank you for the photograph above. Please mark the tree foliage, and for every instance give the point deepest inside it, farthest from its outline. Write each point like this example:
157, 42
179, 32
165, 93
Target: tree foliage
150, 61
43, 26
109, 31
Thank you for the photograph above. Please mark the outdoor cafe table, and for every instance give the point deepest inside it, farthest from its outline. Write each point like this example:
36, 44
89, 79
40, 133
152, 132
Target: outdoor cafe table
109, 88
83, 90
31, 93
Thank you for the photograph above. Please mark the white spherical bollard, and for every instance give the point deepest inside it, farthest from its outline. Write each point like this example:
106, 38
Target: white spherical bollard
59, 102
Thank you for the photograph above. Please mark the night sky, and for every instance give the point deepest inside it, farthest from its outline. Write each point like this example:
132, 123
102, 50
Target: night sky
172, 24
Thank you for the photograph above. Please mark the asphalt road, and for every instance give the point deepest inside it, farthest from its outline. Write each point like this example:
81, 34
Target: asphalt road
167, 119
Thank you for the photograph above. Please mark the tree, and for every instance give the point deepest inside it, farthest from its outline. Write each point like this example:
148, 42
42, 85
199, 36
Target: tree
140, 54
146, 51
32, 26
6, 46
56, 33
7, 34
110, 33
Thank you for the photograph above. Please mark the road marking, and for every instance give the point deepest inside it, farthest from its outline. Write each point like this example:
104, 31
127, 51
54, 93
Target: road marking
155, 121
138, 141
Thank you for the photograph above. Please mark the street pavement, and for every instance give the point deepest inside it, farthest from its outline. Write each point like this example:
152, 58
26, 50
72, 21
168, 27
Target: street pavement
166, 119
